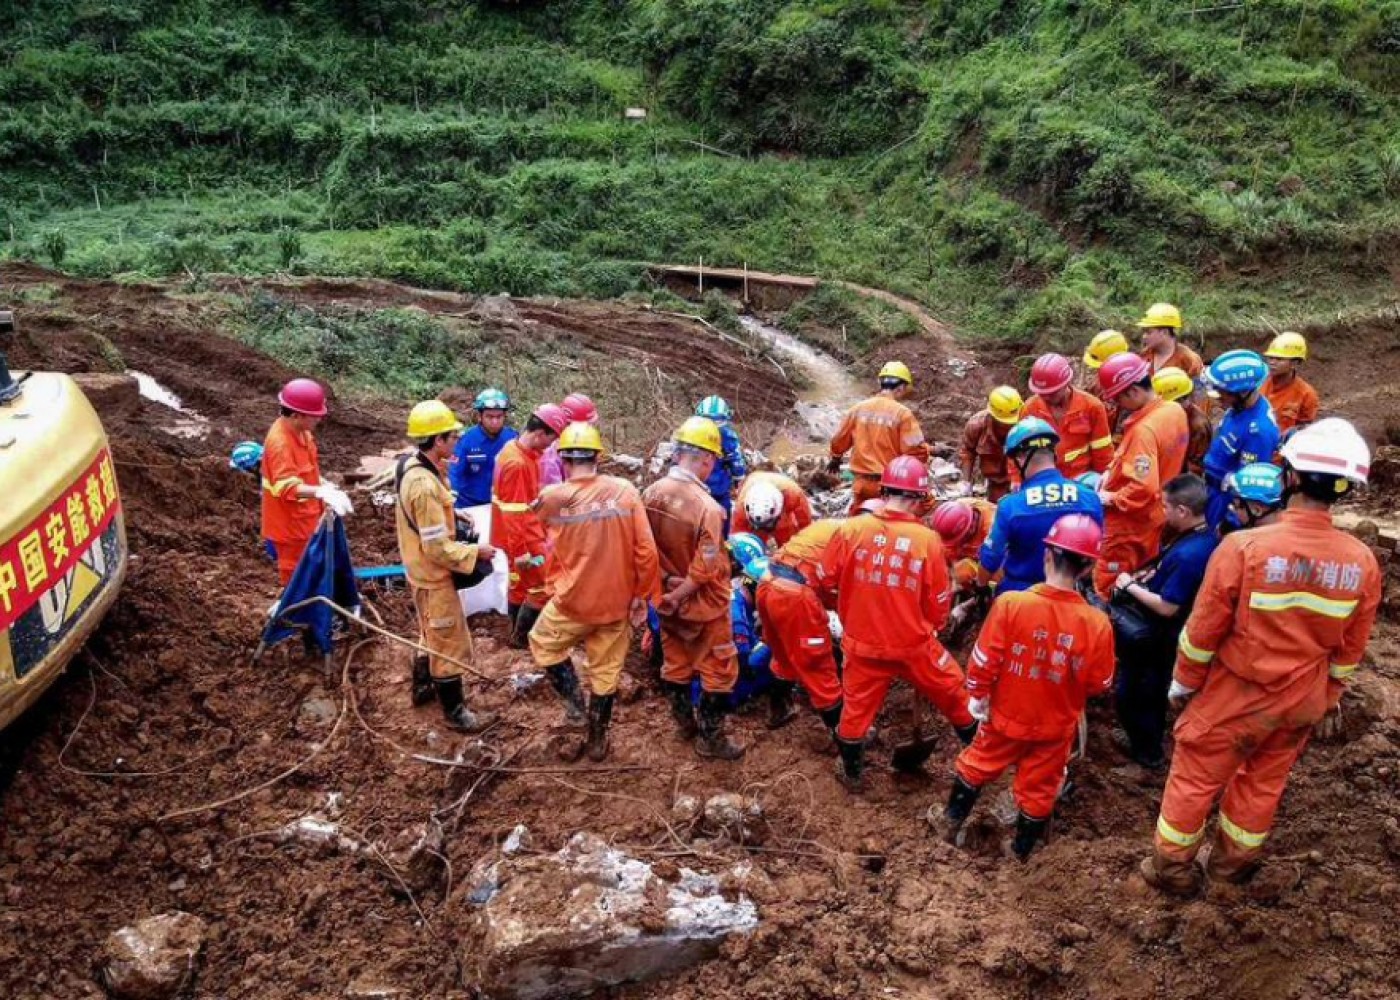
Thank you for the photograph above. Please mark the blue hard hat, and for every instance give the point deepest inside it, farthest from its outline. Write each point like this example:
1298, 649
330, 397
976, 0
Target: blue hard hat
1090, 480
246, 457
745, 548
491, 399
1031, 432
713, 407
1238, 372
1258, 481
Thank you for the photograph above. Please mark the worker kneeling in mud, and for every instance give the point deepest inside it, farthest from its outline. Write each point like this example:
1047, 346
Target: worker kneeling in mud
600, 572
426, 526
1043, 653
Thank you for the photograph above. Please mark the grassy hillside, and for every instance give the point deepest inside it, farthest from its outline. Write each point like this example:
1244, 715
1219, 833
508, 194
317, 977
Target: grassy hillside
1043, 166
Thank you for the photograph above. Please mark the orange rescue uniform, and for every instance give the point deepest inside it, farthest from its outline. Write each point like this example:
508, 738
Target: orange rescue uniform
984, 448
1278, 629
794, 618
876, 431
963, 558
1086, 442
688, 526
797, 508
891, 582
1183, 357
1152, 452
290, 459
1295, 404
1040, 656
1199, 433
515, 527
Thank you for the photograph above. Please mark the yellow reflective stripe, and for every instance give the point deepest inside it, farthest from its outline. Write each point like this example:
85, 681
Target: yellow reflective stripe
510, 508
282, 485
1194, 653
1240, 835
1304, 600
1104, 442
1341, 671
1070, 456
1172, 835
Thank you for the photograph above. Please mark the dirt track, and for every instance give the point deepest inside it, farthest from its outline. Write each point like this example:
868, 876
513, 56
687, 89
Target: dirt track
169, 715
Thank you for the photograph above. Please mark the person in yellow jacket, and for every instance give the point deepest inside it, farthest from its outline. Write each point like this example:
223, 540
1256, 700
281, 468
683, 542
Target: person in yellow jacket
426, 525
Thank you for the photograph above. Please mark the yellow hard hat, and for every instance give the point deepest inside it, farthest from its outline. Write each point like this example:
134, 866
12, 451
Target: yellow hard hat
1105, 345
1161, 314
1005, 404
431, 418
899, 370
702, 433
1172, 384
1288, 345
580, 436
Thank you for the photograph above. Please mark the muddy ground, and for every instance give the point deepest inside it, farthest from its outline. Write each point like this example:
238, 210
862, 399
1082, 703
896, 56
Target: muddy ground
165, 713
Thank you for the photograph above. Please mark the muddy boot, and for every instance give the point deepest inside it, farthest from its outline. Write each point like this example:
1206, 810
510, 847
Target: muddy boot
712, 741
909, 758
946, 822
600, 708
422, 681
565, 683
1226, 863
454, 709
681, 708
1176, 878
966, 734
781, 710
831, 717
852, 763
525, 619
1028, 833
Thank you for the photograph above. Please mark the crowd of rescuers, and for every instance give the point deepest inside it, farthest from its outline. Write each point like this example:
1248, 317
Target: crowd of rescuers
1153, 529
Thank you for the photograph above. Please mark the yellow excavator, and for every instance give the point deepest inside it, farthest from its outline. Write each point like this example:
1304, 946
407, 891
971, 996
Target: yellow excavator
63, 549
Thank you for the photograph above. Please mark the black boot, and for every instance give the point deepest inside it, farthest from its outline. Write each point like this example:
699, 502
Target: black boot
781, 710
525, 618
1028, 832
565, 683
600, 708
909, 758
422, 680
852, 763
961, 798
966, 734
681, 708
831, 717
454, 709
712, 741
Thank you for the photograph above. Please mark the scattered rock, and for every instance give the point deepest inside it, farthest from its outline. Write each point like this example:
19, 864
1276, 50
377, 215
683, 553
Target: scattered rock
518, 841
370, 988
685, 810
317, 831
154, 959
735, 817
316, 713
417, 854
1069, 932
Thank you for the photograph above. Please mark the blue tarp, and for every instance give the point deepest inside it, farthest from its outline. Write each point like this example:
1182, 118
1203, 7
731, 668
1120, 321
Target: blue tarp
326, 570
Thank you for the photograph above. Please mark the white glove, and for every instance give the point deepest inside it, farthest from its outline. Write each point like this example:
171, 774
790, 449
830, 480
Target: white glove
980, 708
964, 488
335, 498
1179, 691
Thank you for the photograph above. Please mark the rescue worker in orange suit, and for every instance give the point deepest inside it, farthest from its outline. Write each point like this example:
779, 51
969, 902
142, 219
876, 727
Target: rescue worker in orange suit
1161, 346
963, 526
598, 532
876, 431
1294, 401
1081, 420
1153, 451
1277, 632
771, 506
1106, 344
425, 524
515, 527
293, 495
983, 450
1042, 654
697, 635
890, 577
1175, 386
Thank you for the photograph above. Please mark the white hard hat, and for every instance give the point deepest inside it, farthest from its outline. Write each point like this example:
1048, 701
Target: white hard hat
1329, 447
763, 504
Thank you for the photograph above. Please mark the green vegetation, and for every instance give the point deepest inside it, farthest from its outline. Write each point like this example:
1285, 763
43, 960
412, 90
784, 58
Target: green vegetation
845, 324
1020, 166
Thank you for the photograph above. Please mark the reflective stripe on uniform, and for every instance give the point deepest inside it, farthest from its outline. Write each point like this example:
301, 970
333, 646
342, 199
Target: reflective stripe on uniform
1304, 600
1194, 653
1172, 835
1070, 456
1341, 671
1240, 835
433, 533
282, 485
510, 508
607, 514
1104, 442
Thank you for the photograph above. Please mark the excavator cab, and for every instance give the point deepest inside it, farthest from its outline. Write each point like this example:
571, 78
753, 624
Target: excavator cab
63, 549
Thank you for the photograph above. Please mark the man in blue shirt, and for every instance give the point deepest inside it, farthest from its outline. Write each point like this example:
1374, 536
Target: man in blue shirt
1247, 433
1016, 543
731, 466
470, 475
1166, 589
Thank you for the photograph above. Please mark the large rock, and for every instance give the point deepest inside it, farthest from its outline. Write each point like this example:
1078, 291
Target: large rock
154, 959
589, 917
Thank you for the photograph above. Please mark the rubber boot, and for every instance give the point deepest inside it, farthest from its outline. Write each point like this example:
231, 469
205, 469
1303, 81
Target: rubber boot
781, 710
831, 717
851, 765
1175, 878
948, 821
1028, 833
422, 681
525, 619
565, 683
681, 708
454, 709
1227, 863
966, 734
712, 741
600, 708
909, 758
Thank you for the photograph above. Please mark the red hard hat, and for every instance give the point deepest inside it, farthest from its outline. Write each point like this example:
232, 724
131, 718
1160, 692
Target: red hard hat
1121, 372
555, 417
1076, 533
907, 474
953, 521
304, 395
1050, 374
580, 408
